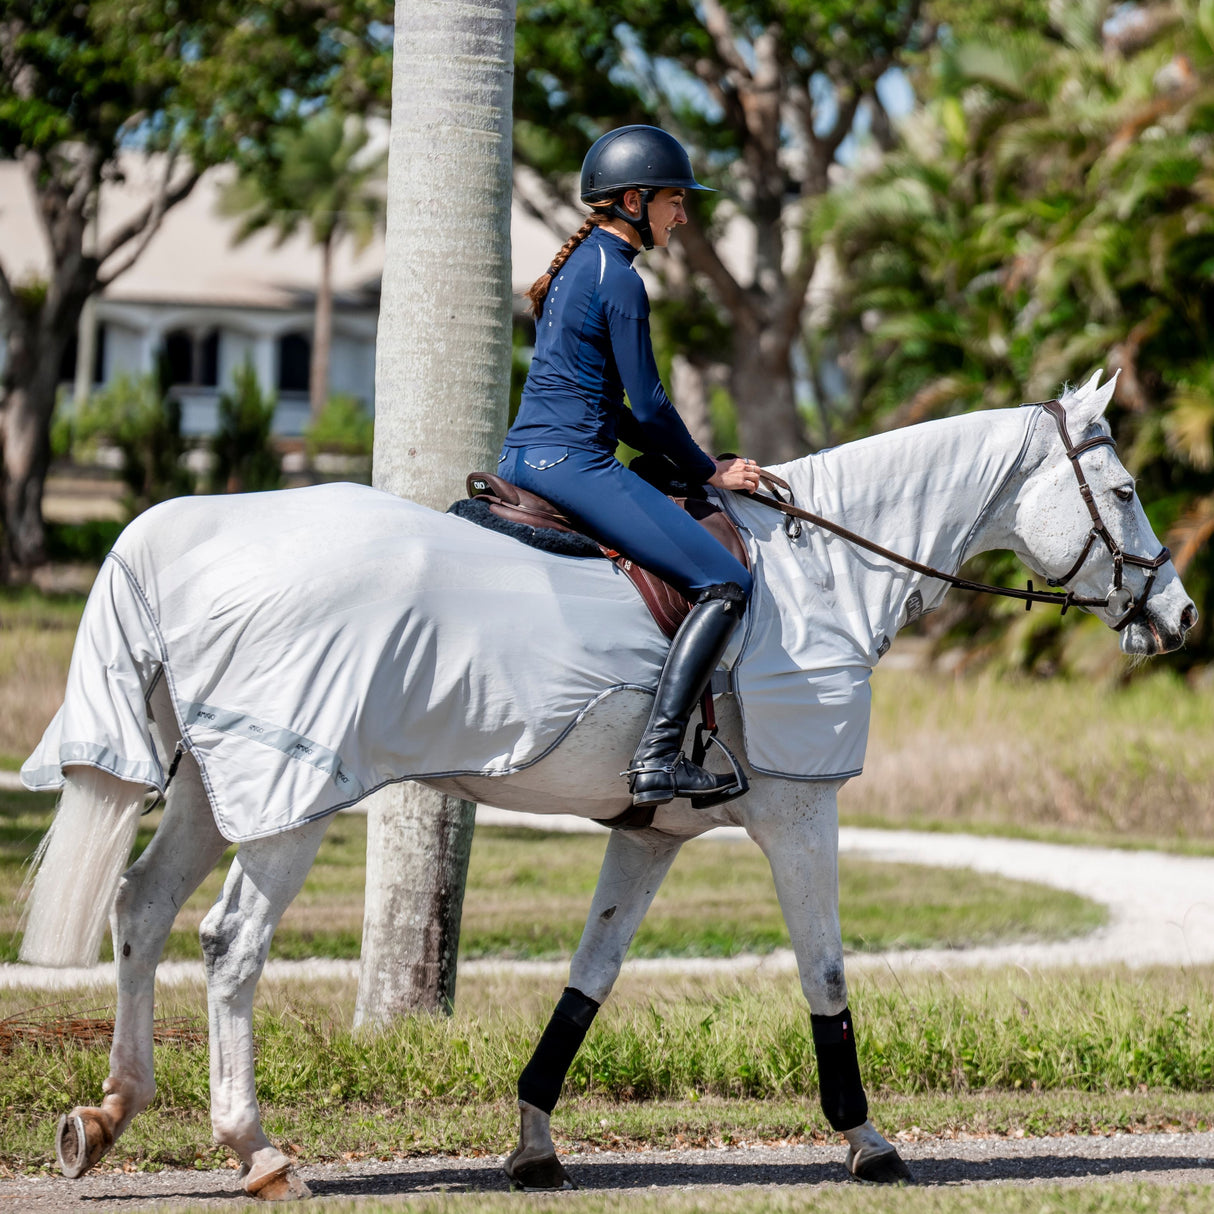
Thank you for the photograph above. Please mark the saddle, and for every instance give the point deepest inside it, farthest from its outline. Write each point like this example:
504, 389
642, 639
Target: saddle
517, 508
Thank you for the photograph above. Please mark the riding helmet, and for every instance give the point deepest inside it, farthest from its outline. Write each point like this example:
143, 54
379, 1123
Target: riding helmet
635, 157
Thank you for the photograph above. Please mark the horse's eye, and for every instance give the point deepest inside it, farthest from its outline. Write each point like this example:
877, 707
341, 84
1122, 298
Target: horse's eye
1124, 493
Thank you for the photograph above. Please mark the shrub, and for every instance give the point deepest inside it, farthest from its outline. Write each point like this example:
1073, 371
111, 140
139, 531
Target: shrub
245, 460
133, 415
344, 427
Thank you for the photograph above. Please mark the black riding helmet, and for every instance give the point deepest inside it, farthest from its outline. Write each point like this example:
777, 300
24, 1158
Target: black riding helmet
635, 157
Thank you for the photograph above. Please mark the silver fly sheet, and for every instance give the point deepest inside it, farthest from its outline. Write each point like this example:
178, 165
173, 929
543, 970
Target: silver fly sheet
319, 643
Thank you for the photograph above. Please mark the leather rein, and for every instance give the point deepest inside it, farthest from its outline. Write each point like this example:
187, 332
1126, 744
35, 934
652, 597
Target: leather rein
1064, 599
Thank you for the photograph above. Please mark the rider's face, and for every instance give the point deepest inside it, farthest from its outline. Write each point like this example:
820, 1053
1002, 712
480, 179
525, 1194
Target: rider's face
665, 214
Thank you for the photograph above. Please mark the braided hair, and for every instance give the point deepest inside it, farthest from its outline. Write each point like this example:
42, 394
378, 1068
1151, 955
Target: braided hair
538, 291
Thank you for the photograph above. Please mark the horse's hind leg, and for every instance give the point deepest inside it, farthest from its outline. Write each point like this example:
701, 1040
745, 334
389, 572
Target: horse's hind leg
265, 876
183, 851
633, 868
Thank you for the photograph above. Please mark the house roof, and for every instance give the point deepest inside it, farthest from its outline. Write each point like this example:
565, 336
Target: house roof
192, 258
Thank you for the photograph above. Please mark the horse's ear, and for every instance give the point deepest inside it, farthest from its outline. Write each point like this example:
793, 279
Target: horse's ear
1087, 404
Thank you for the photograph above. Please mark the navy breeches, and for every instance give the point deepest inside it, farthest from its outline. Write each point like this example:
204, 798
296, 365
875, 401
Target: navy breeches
619, 509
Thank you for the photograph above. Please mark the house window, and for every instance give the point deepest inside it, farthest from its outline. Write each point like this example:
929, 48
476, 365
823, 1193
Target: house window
208, 360
294, 362
179, 357
192, 359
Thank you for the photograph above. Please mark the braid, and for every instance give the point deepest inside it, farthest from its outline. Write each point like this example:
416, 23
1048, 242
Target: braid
539, 289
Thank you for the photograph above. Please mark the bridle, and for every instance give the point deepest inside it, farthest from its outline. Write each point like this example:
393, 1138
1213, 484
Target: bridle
1066, 599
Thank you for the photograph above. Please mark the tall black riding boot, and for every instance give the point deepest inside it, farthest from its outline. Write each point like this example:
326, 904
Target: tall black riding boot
659, 770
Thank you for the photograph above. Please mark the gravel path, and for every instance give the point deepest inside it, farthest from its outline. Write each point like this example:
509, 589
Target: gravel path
1162, 1158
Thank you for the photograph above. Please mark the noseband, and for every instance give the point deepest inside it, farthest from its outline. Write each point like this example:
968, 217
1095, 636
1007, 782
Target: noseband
1066, 599
1100, 532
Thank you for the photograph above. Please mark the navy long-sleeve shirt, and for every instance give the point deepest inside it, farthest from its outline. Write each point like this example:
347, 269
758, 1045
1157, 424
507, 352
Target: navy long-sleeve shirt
593, 345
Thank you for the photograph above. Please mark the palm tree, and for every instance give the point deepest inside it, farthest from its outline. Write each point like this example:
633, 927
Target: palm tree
321, 177
443, 359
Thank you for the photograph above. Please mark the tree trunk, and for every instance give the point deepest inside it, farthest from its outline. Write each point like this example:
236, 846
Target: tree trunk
761, 382
442, 390
689, 388
31, 380
322, 334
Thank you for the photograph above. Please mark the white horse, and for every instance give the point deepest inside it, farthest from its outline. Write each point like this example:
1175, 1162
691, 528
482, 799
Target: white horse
939, 493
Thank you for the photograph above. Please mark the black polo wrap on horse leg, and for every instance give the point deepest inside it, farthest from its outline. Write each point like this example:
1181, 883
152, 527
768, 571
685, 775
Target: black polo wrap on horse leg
839, 1085
542, 1078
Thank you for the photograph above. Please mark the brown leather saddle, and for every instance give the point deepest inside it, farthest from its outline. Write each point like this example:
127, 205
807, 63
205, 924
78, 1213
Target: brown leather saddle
667, 605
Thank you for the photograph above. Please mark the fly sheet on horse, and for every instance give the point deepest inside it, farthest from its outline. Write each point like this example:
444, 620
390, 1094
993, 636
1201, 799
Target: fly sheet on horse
322, 642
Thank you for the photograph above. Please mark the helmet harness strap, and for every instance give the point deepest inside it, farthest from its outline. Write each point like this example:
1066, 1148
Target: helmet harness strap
641, 224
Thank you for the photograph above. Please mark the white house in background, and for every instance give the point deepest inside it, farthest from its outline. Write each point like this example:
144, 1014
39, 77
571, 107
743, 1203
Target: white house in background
206, 305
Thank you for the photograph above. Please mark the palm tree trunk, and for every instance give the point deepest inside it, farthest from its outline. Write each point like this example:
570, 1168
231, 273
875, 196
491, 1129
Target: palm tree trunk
322, 333
442, 389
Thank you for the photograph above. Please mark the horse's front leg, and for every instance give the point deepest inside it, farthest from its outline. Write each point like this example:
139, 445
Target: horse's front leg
236, 933
797, 826
633, 869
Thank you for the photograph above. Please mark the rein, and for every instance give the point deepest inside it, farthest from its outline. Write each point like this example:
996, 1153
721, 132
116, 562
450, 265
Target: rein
1064, 599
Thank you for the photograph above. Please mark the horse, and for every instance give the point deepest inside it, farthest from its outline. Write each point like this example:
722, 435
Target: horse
164, 647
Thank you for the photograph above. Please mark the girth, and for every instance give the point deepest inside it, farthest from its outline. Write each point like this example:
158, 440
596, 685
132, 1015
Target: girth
667, 605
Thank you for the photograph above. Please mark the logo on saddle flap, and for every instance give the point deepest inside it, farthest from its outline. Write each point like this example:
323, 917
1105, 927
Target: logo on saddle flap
479, 486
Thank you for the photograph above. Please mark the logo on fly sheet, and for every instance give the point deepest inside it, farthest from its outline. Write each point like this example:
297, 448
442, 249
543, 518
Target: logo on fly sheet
914, 607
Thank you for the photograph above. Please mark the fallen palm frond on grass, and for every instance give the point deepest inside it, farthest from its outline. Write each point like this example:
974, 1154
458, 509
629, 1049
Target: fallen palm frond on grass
41, 1026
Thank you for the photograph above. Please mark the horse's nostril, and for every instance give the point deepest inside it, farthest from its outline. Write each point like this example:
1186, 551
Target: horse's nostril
1188, 617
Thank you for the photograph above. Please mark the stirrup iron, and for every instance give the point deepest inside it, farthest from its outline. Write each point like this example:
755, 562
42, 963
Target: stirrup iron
741, 784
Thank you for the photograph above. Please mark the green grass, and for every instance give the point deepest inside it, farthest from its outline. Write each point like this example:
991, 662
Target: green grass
529, 891
667, 1062
1061, 760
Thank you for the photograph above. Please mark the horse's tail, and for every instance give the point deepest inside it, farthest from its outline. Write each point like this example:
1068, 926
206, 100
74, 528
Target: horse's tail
75, 871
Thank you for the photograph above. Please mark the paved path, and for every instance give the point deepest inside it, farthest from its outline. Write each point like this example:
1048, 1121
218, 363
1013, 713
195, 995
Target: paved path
1161, 911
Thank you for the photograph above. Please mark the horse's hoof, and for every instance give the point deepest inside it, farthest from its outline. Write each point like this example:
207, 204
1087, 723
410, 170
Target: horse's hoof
539, 1176
287, 1187
277, 1182
81, 1139
885, 1168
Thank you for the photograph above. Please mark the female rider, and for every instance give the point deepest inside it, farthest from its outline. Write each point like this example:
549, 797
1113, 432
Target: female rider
592, 346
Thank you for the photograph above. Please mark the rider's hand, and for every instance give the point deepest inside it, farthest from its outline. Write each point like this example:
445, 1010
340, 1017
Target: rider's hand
736, 473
